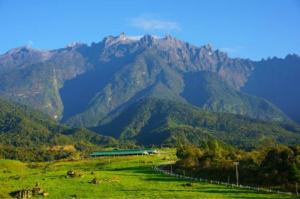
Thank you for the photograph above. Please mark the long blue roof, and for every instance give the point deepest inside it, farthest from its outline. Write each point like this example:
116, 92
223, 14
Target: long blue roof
124, 152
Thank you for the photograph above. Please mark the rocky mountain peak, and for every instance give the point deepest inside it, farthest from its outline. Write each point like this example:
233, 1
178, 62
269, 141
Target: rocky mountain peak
23, 55
172, 41
122, 36
292, 56
169, 38
116, 40
147, 39
208, 48
21, 49
74, 44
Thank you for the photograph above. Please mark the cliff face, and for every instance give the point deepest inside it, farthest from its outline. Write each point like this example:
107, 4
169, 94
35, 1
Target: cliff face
82, 85
277, 80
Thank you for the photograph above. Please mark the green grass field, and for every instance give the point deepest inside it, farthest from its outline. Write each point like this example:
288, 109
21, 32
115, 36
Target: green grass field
120, 177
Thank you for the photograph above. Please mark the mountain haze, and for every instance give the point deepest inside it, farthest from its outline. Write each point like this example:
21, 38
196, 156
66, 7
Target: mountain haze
277, 80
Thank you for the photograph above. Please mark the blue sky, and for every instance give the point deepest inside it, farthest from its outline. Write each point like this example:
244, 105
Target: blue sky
244, 28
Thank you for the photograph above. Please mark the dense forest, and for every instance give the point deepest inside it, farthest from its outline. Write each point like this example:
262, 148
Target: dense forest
164, 122
30, 135
270, 165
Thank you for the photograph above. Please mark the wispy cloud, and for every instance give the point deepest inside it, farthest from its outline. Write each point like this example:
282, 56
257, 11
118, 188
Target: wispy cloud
232, 49
29, 43
134, 37
137, 37
154, 24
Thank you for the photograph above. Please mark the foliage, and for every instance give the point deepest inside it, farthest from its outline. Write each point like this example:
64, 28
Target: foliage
272, 166
26, 134
166, 122
119, 177
281, 165
188, 155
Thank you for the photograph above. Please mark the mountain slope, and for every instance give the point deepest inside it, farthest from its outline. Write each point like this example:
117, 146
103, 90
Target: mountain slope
21, 126
159, 121
277, 80
34, 77
149, 73
82, 85
206, 90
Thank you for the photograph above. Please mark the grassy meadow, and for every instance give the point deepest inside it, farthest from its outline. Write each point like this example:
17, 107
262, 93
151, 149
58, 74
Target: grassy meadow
118, 177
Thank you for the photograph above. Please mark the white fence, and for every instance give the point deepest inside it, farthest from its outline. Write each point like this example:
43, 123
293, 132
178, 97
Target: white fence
178, 176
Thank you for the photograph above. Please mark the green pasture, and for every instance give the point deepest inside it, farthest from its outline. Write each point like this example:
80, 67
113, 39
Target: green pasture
119, 177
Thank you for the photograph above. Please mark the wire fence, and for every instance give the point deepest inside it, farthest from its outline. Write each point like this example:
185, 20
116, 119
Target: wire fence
184, 177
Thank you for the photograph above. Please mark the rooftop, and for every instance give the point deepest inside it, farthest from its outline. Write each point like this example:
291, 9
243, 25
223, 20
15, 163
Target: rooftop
125, 152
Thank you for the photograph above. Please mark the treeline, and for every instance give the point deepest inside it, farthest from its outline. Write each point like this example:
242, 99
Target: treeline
33, 154
30, 135
271, 165
69, 144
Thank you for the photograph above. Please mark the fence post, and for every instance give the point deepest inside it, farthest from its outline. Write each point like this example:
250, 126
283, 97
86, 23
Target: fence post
166, 172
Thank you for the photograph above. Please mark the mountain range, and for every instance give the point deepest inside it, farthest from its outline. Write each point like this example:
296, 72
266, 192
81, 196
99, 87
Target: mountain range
95, 85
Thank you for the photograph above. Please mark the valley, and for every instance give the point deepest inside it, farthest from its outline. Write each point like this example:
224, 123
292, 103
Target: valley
149, 99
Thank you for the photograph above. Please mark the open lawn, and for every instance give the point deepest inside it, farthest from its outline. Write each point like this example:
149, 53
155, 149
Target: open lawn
119, 177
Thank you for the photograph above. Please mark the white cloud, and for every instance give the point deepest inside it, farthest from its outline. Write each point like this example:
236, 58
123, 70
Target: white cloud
154, 24
134, 37
29, 43
138, 37
232, 50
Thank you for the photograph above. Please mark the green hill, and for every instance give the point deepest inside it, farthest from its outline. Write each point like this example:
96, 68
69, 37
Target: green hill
22, 128
165, 122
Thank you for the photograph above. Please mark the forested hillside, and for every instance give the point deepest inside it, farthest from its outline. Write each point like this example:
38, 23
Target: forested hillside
29, 134
158, 121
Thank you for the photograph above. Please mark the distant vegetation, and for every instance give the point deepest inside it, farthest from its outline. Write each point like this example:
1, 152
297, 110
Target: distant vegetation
271, 165
166, 122
29, 135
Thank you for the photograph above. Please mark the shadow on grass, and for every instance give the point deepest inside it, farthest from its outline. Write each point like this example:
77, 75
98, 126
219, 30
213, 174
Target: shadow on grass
134, 169
151, 175
230, 193
147, 172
